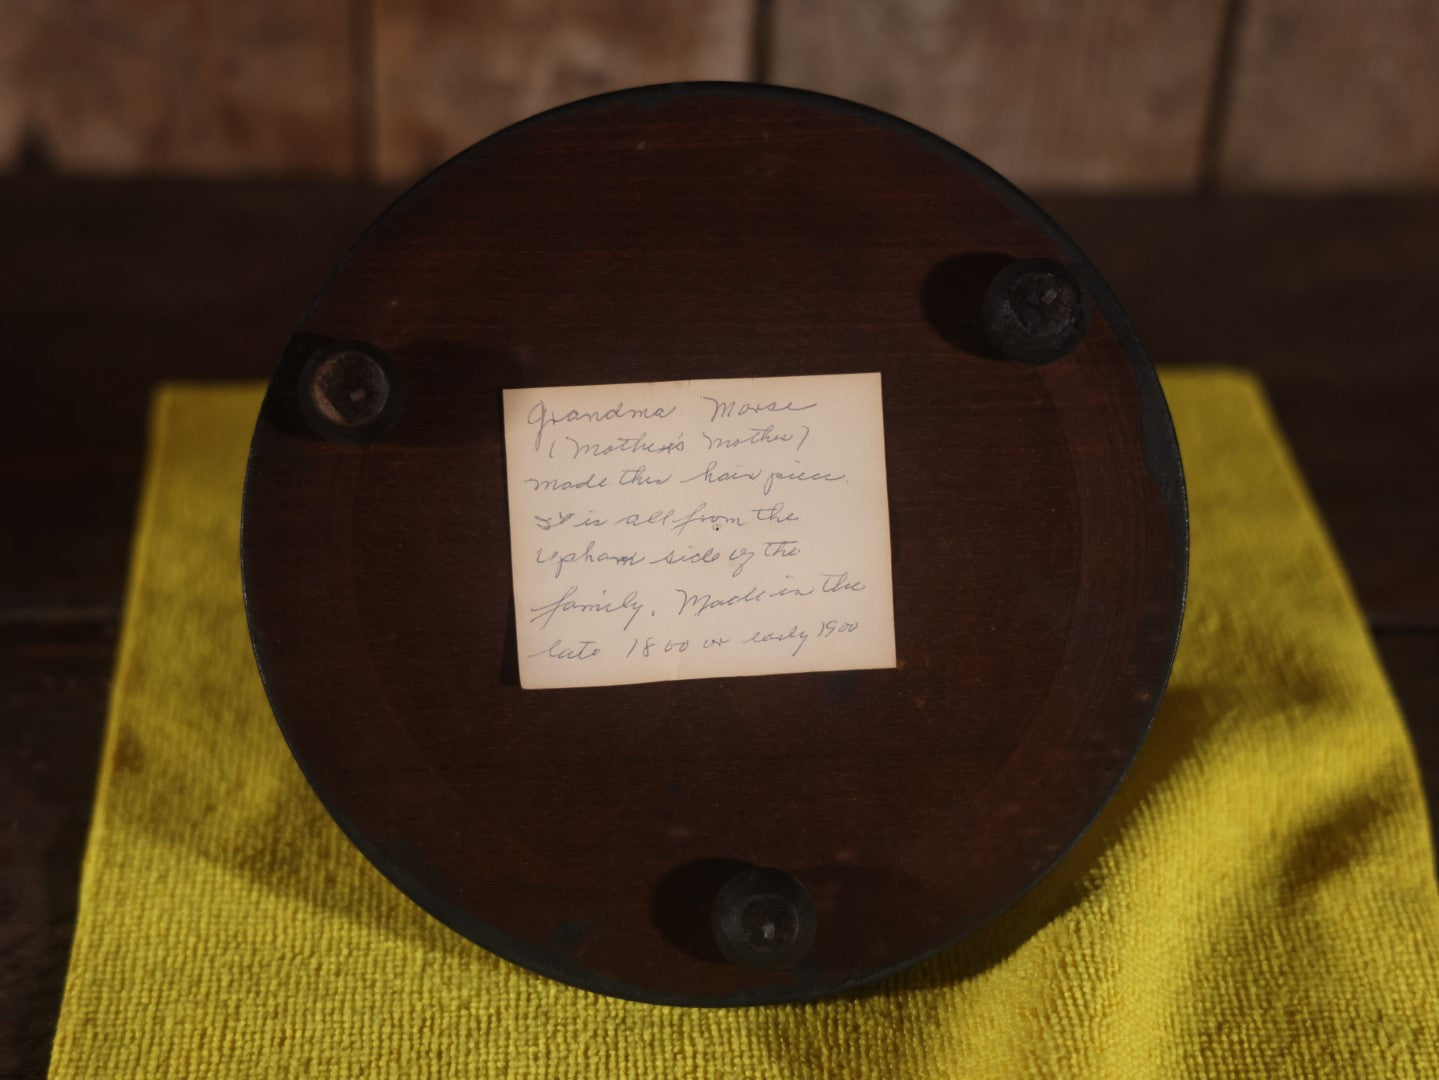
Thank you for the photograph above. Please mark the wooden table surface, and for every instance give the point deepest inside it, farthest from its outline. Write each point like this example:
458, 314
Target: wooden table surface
110, 286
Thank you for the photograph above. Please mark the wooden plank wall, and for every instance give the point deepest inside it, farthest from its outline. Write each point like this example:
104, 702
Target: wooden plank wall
1051, 92
449, 71
1334, 95
263, 87
1139, 95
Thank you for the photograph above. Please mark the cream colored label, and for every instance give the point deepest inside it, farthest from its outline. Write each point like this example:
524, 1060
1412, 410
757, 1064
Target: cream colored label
689, 530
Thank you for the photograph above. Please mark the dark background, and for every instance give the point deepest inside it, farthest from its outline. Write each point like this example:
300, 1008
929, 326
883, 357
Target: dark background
1258, 179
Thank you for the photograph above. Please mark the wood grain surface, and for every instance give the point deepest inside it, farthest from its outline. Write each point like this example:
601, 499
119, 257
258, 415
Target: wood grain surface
1333, 302
1027, 500
114, 285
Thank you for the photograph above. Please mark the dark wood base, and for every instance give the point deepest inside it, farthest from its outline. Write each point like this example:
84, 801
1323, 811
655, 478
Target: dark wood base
112, 285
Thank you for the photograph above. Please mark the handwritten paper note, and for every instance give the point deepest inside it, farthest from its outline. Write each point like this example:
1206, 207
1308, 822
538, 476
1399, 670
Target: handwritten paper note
688, 530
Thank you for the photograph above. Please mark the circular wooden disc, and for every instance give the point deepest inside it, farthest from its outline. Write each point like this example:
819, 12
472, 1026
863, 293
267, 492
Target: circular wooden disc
707, 231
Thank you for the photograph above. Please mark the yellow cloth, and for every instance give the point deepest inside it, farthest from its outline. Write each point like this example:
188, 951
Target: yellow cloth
1258, 900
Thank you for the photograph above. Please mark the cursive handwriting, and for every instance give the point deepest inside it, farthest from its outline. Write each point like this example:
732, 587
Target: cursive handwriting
555, 483
558, 650
561, 559
700, 603
542, 419
697, 603
625, 444
735, 410
544, 613
765, 637
713, 474
718, 527
765, 436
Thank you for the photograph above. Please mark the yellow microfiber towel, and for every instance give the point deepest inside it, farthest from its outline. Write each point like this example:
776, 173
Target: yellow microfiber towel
1258, 900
